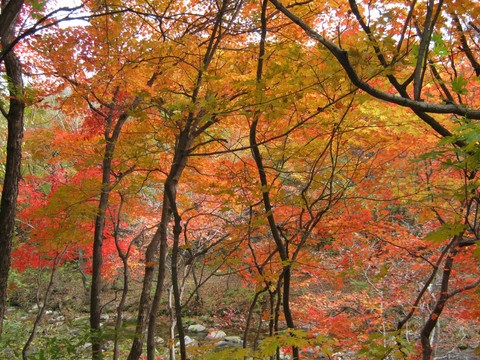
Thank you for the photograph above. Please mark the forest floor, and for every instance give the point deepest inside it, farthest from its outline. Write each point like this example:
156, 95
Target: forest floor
63, 331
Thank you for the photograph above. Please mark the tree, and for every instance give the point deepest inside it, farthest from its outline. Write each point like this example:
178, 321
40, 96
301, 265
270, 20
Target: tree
228, 134
14, 115
194, 112
388, 61
11, 35
421, 42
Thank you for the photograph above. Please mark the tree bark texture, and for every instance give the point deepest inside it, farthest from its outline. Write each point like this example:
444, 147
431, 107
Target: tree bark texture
15, 119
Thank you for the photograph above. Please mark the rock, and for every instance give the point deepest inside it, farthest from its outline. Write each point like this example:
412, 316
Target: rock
310, 351
237, 340
221, 343
196, 328
343, 355
229, 341
216, 335
158, 340
104, 317
188, 342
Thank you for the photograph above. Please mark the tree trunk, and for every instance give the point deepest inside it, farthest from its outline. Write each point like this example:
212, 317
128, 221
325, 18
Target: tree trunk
147, 308
43, 305
111, 138
95, 304
169, 207
443, 296
257, 156
176, 289
166, 215
12, 176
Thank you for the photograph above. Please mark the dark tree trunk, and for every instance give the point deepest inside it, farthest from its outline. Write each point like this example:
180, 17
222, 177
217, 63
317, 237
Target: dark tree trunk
95, 304
166, 215
169, 207
443, 296
269, 211
147, 313
14, 117
111, 137
176, 288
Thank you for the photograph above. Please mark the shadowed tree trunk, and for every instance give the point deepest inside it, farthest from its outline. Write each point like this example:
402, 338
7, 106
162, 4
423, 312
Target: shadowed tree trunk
14, 116
111, 136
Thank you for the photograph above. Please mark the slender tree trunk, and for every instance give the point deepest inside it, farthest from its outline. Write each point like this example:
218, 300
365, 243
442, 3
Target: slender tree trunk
271, 321
15, 115
173, 322
160, 280
121, 305
176, 289
112, 133
257, 156
169, 207
248, 322
95, 304
286, 306
148, 308
126, 277
443, 296
42, 306
144, 305
198, 297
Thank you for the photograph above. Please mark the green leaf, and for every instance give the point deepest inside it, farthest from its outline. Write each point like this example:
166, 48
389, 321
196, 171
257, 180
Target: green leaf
444, 232
439, 46
459, 85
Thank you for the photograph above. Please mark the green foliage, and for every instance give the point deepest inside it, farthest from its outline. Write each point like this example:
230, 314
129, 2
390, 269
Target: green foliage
57, 343
439, 46
393, 346
235, 353
21, 291
466, 157
459, 85
14, 336
269, 347
287, 338
444, 232
62, 345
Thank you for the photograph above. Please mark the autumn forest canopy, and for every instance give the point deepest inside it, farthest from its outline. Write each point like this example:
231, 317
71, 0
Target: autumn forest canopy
300, 175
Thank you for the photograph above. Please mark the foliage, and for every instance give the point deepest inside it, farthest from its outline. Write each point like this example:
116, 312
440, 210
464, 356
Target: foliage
293, 147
